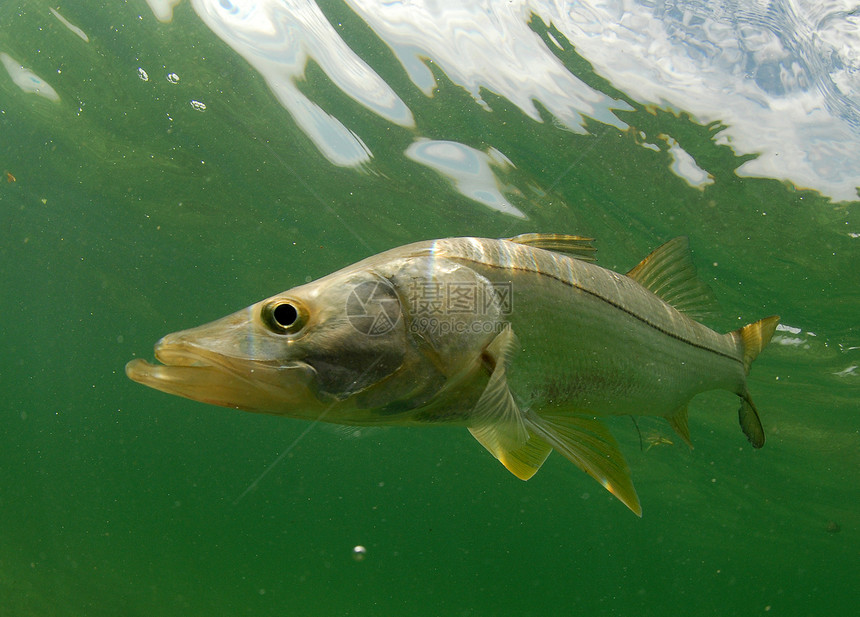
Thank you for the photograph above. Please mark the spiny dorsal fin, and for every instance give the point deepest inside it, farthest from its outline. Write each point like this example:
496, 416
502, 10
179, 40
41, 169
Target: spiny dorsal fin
575, 246
669, 273
589, 445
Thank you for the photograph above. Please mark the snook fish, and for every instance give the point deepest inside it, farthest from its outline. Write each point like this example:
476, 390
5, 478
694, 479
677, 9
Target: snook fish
523, 341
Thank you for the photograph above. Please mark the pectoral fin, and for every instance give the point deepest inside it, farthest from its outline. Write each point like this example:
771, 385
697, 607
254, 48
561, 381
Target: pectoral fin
589, 445
497, 421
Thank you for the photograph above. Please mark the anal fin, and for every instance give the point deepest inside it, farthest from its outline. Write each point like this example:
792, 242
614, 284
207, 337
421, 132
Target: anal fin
588, 444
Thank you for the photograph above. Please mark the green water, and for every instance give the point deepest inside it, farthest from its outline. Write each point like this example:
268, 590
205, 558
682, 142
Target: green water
133, 215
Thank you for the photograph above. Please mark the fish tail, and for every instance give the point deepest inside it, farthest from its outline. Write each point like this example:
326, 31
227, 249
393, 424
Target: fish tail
750, 422
753, 337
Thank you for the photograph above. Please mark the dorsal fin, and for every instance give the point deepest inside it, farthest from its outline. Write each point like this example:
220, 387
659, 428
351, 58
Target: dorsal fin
669, 273
575, 246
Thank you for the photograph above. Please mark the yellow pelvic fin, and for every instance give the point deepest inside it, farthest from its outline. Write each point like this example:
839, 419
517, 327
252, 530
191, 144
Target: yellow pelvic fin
669, 273
524, 461
588, 444
678, 421
523, 440
755, 336
575, 246
496, 421
496, 415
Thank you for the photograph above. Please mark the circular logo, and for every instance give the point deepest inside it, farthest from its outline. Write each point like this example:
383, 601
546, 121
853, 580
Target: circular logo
373, 308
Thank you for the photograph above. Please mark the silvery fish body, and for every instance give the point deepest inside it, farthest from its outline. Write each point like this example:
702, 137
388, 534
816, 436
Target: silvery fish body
522, 340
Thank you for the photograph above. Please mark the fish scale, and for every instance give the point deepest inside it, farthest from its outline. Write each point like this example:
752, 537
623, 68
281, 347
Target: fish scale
580, 321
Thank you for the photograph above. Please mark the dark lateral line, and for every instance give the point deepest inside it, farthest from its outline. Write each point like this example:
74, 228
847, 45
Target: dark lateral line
607, 301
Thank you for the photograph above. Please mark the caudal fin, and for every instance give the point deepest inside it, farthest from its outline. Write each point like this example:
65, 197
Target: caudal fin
754, 337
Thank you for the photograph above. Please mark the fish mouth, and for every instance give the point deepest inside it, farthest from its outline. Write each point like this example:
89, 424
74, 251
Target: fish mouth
240, 383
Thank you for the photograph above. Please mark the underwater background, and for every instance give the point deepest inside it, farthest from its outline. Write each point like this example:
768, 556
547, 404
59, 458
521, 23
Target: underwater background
167, 163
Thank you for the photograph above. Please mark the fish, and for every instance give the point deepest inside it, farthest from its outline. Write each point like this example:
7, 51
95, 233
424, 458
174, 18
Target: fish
524, 341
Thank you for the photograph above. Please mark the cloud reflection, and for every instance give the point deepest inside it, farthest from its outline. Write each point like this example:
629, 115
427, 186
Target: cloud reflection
27, 80
783, 75
278, 37
71, 26
468, 169
486, 45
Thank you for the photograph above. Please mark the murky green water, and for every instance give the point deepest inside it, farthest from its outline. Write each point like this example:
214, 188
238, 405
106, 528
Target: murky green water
128, 212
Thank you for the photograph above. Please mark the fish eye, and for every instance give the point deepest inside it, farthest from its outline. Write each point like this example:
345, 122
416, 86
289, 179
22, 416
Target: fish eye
283, 316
